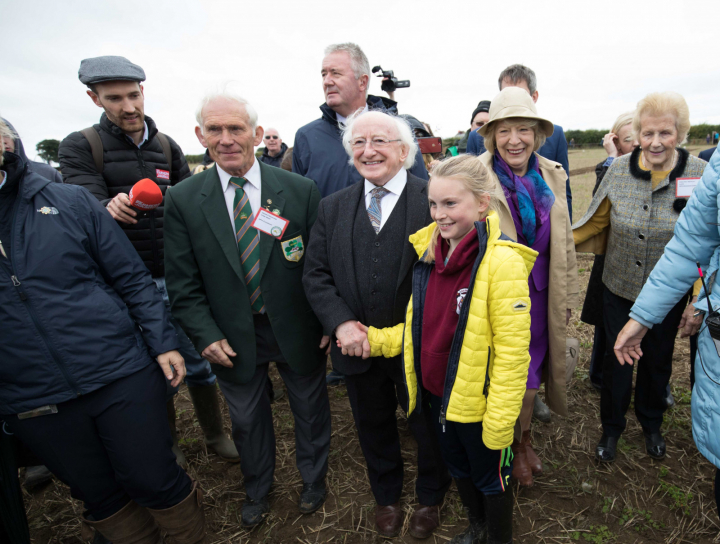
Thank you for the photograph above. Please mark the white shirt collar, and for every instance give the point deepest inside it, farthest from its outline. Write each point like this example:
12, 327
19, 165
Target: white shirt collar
252, 176
145, 135
395, 185
343, 120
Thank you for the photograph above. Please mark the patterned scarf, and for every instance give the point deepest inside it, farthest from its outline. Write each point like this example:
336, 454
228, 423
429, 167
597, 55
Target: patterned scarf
534, 197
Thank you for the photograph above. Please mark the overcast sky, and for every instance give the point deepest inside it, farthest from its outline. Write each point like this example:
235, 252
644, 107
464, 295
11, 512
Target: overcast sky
594, 60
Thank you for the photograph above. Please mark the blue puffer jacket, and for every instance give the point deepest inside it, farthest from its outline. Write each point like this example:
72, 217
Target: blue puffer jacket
78, 308
696, 238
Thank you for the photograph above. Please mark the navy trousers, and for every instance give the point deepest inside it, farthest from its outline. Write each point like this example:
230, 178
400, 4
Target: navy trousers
111, 446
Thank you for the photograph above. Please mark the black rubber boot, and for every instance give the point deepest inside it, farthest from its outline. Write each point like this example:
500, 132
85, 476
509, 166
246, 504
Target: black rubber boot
476, 533
499, 512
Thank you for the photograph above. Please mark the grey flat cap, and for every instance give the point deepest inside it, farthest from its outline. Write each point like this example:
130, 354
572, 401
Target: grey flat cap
109, 68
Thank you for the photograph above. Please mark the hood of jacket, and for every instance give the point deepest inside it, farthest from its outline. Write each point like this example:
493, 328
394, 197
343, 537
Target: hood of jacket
373, 102
421, 240
19, 148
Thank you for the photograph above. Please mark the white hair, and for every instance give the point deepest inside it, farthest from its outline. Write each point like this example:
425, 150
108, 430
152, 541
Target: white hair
5, 132
358, 61
403, 128
224, 94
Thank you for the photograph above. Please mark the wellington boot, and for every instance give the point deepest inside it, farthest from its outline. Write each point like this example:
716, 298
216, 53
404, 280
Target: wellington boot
521, 468
472, 501
184, 523
207, 411
131, 525
179, 455
533, 459
499, 511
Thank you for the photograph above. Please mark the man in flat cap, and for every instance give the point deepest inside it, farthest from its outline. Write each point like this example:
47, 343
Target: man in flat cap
108, 159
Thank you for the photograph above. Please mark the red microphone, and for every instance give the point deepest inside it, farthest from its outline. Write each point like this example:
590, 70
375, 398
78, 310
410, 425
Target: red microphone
145, 195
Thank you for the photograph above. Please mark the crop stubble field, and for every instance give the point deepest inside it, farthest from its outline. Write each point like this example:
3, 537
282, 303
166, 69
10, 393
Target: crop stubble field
633, 500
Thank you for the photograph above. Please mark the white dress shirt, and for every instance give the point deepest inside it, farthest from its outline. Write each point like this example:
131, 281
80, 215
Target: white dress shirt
343, 120
251, 188
387, 204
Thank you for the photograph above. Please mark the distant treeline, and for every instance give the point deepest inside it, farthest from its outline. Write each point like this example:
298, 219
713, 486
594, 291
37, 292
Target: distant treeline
595, 136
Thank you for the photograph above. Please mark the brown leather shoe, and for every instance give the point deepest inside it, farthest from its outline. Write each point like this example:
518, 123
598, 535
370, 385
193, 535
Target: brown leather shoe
533, 459
521, 468
389, 520
424, 521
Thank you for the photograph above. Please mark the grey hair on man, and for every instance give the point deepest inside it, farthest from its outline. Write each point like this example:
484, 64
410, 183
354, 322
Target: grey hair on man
5, 132
223, 93
405, 135
518, 73
358, 61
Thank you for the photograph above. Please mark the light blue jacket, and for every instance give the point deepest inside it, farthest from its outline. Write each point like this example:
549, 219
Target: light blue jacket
696, 238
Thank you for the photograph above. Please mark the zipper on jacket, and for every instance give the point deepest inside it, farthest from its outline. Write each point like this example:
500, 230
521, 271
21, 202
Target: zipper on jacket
486, 387
31, 310
456, 346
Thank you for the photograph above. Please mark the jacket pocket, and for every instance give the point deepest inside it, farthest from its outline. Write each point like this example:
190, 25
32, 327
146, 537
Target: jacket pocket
486, 386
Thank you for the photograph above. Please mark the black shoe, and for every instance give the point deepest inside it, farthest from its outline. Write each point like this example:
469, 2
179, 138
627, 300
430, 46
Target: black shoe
476, 533
334, 378
36, 477
254, 511
596, 385
655, 445
312, 497
605, 450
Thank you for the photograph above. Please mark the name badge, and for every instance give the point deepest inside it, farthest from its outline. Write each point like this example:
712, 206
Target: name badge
270, 223
162, 174
684, 187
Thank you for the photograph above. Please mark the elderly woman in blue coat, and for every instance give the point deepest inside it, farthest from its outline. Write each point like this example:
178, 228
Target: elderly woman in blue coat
696, 240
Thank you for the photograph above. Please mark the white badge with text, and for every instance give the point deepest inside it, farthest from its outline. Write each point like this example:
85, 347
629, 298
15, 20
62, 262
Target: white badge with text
684, 187
270, 223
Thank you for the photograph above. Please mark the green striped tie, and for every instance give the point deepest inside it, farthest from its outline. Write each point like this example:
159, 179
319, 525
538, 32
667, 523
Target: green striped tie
248, 241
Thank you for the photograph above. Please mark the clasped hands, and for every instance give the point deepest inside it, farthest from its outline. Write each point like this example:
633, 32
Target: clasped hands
352, 339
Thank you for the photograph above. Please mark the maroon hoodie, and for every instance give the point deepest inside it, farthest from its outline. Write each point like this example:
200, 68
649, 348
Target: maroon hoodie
444, 297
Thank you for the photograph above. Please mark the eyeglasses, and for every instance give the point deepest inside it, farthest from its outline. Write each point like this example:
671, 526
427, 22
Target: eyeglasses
375, 143
273, 137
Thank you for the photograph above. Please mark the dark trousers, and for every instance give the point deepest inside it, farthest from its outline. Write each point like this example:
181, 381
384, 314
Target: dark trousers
467, 456
653, 369
374, 397
598, 356
111, 446
252, 422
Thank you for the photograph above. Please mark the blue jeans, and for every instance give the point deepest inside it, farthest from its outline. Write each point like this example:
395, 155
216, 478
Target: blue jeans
198, 369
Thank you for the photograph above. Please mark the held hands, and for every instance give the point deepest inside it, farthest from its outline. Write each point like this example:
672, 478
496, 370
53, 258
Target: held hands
120, 209
352, 339
172, 361
219, 353
627, 346
609, 145
690, 324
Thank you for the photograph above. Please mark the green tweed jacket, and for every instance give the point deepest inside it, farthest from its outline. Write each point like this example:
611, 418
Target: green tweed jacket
642, 220
206, 283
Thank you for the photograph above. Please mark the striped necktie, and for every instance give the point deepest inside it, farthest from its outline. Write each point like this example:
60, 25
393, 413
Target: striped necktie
375, 209
248, 241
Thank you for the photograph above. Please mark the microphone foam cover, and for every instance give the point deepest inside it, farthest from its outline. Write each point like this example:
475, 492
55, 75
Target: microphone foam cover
145, 195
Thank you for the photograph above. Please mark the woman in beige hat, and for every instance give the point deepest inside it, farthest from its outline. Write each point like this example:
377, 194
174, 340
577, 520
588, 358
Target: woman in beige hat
533, 211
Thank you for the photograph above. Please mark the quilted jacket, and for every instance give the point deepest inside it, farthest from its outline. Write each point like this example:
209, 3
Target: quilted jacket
489, 357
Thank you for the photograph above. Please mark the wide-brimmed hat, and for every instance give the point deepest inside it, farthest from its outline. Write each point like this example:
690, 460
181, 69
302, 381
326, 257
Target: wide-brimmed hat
515, 102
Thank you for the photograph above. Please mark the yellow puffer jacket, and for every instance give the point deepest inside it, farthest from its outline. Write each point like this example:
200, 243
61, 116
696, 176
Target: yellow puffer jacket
487, 373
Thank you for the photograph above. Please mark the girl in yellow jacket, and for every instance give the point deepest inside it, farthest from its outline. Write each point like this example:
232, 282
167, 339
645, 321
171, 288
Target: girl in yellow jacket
465, 340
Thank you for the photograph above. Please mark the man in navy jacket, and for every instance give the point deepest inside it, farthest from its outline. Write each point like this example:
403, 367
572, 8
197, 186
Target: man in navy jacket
318, 152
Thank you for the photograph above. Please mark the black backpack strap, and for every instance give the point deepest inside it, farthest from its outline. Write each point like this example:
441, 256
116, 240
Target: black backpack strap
165, 144
96, 146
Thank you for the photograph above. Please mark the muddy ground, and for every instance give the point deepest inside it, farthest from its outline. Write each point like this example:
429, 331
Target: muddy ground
635, 500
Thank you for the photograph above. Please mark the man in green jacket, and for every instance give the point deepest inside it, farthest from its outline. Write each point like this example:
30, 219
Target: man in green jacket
235, 238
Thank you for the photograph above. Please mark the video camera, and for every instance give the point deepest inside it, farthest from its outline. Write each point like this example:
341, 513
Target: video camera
390, 83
